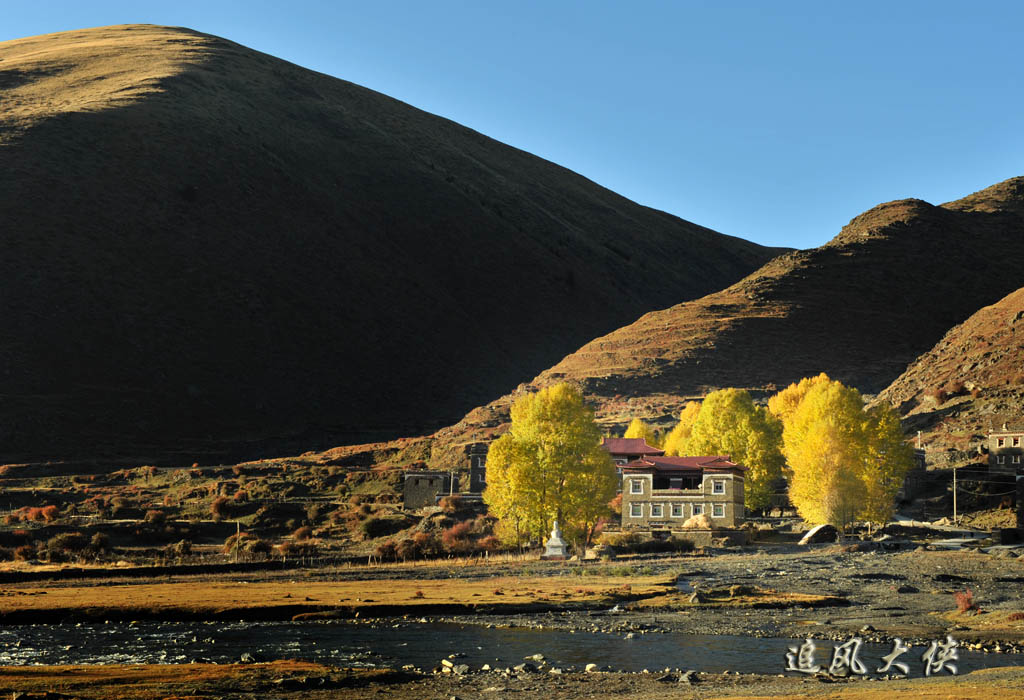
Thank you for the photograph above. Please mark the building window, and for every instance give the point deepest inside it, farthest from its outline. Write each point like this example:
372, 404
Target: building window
717, 486
718, 510
636, 510
656, 510
1000, 442
1001, 459
698, 508
636, 486
677, 510
1016, 442
1016, 459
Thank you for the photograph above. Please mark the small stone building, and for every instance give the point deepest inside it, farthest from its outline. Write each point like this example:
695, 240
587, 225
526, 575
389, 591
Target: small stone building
1006, 451
425, 488
661, 493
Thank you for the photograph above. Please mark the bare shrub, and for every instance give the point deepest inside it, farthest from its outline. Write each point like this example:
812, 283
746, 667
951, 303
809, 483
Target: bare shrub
451, 504
965, 600
386, 551
156, 517
25, 552
219, 508
489, 543
303, 533
458, 537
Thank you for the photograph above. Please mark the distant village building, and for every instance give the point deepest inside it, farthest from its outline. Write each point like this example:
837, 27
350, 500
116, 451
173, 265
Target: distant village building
477, 454
1006, 451
661, 493
424, 488
914, 479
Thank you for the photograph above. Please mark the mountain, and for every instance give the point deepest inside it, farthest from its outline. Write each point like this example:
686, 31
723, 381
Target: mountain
861, 308
211, 253
970, 383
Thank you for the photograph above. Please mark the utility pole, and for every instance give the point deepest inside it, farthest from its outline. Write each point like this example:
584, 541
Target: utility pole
954, 494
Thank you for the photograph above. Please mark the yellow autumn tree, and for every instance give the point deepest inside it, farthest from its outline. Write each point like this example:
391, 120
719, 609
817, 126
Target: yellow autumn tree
549, 466
730, 423
783, 404
675, 441
845, 463
638, 429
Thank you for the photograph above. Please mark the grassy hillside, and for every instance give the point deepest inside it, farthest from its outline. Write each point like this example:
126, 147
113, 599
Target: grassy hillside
970, 383
861, 308
210, 253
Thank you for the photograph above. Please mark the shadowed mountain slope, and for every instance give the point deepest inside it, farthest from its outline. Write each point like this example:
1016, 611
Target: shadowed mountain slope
861, 308
970, 383
209, 251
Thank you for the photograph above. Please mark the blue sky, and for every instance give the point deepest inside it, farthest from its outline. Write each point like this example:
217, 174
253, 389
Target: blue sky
774, 121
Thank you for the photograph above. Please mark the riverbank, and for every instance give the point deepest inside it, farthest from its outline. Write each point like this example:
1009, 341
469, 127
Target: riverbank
304, 681
823, 591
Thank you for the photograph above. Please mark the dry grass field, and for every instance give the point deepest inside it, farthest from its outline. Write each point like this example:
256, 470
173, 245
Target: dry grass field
284, 599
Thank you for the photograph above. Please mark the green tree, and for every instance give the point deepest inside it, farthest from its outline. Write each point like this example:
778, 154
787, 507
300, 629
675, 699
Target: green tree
638, 429
675, 441
729, 423
549, 466
845, 463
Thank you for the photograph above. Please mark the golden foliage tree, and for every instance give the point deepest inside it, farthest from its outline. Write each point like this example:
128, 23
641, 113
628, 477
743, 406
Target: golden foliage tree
845, 463
729, 423
638, 429
675, 441
549, 466
784, 403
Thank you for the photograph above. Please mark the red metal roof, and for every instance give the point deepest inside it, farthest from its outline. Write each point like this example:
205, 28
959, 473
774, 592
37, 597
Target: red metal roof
659, 464
629, 446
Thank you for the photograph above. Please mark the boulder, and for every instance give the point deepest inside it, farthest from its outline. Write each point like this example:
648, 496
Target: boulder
820, 533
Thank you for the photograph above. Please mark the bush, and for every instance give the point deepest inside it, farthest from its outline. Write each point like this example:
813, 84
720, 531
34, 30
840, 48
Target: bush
451, 504
25, 552
380, 527
303, 533
386, 551
426, 543
408, 549
156, 517
939, 394
66, 544
616, 504
620, 540
246, 543
490, 543
294, 549
100, 542
457, 538
219, 508
50, 513
179, 550
965, 600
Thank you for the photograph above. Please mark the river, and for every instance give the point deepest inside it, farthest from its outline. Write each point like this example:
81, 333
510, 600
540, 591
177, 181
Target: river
379, 644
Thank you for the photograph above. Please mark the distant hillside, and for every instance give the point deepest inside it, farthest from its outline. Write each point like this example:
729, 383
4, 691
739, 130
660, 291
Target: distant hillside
970, 383
210, 253
861, 308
